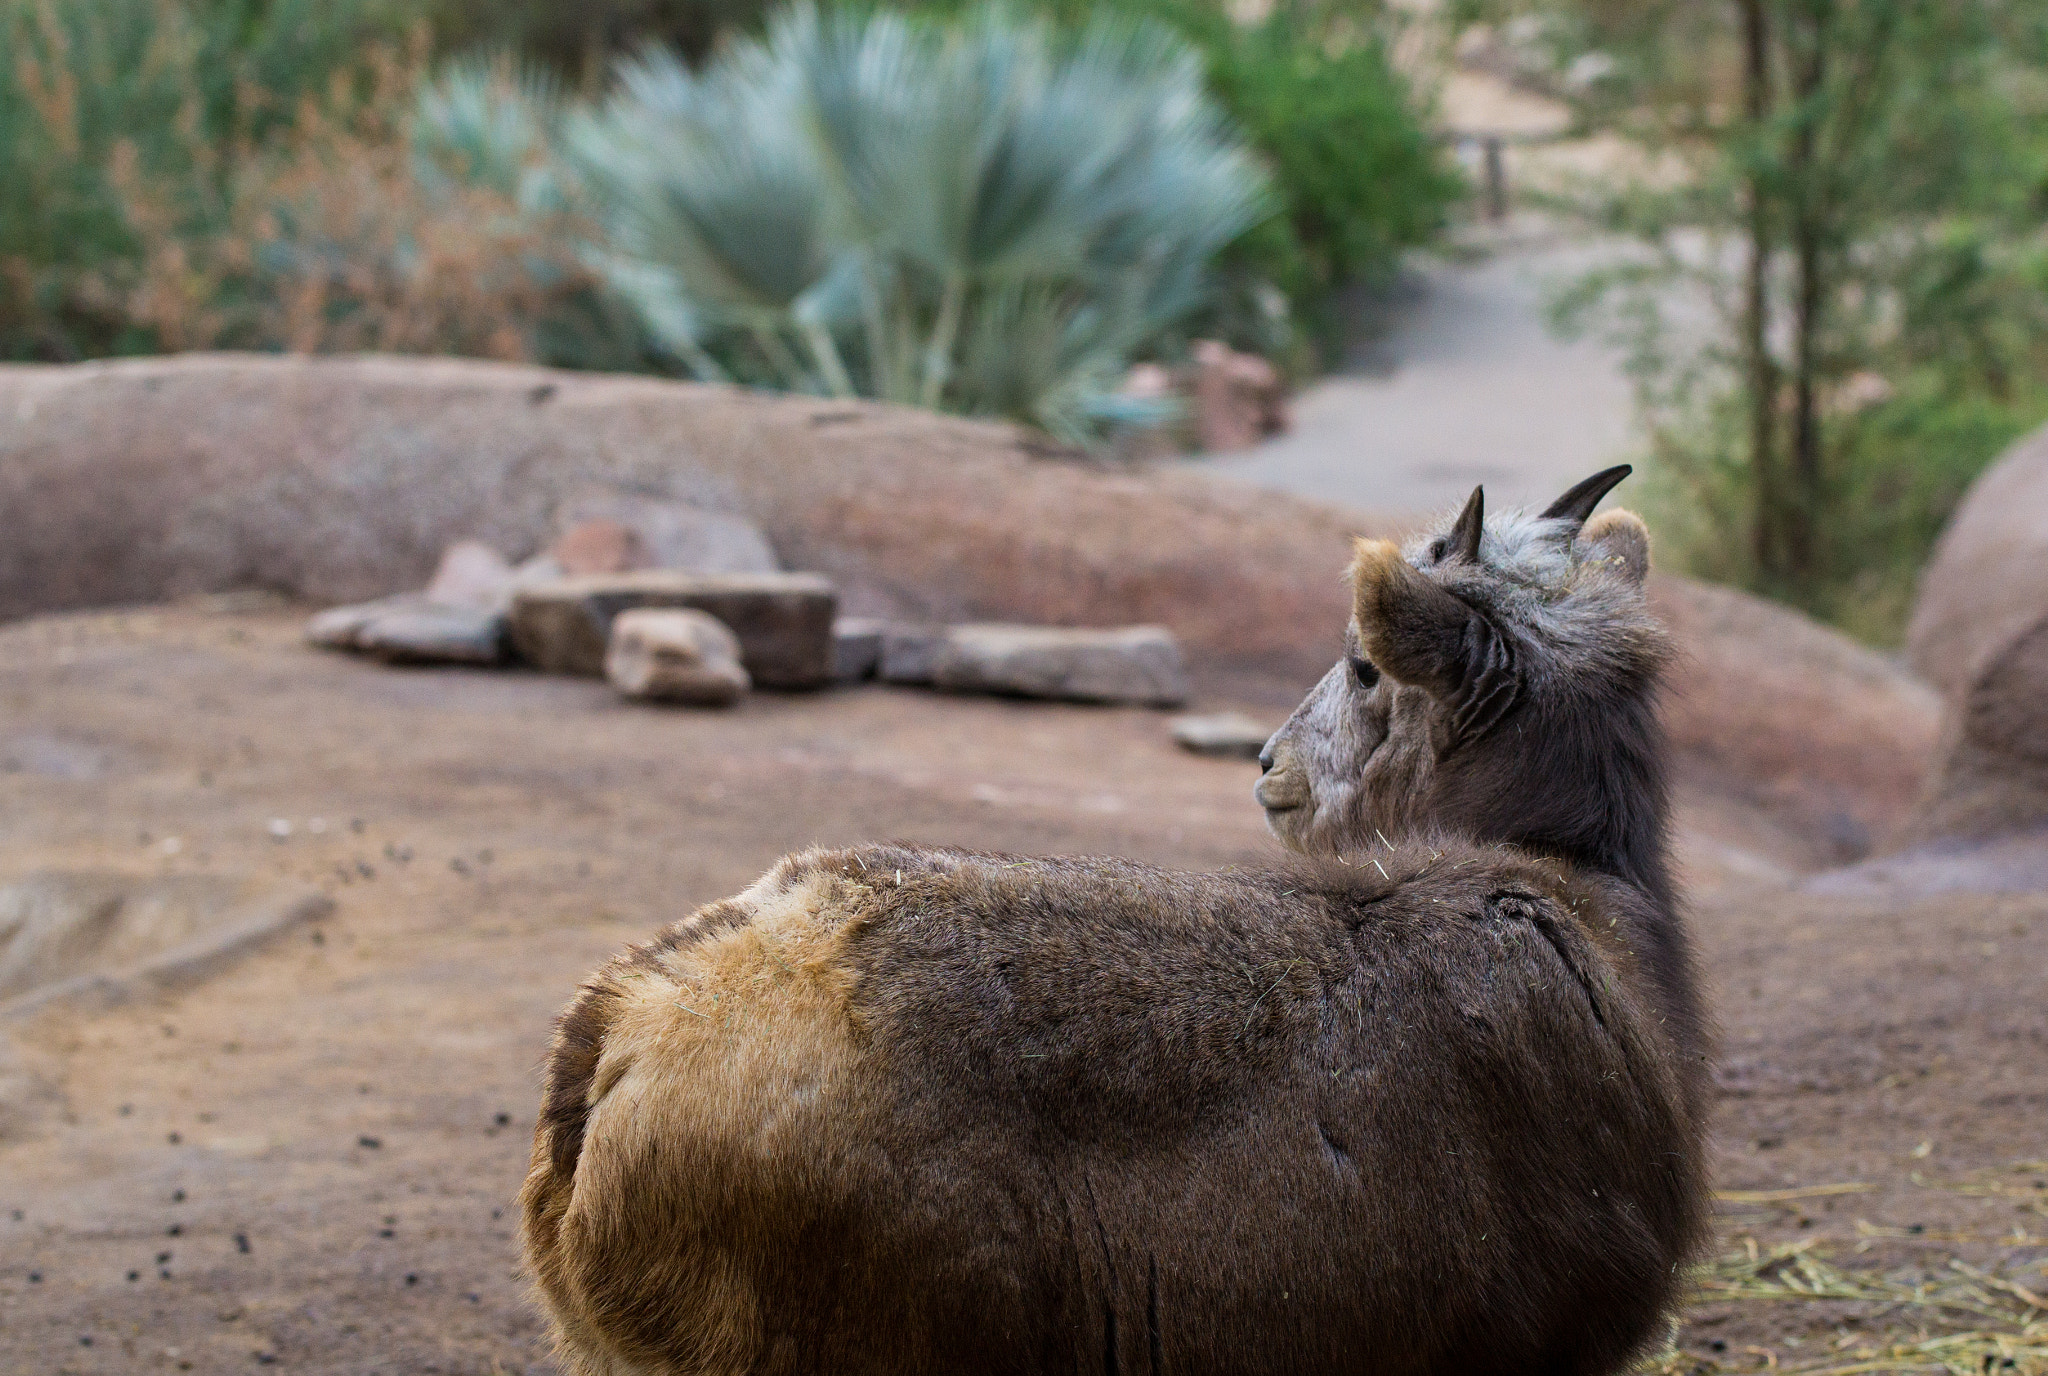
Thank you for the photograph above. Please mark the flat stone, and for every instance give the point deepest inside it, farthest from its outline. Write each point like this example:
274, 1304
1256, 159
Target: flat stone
783, 620
472, 574
909, 651
856, 648
1231, 734
675, 655
1131, 664
338, 627
426, 633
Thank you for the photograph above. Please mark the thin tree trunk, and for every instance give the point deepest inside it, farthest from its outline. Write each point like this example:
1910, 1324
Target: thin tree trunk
1762, 369
1810, 302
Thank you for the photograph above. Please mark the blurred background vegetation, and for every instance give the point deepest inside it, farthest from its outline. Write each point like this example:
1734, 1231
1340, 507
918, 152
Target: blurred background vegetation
1836, 306
1828, 268
323, 174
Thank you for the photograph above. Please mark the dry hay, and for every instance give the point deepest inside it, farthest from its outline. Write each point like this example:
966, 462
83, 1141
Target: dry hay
1955, 1318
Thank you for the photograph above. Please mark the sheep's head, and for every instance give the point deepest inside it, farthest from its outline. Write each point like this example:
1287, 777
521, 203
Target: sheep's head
1497, 683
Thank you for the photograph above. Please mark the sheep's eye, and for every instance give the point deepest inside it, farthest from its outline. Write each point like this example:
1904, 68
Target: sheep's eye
1437, 548
1364, 670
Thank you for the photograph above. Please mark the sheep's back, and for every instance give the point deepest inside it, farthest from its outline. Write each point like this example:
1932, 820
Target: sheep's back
919, 1110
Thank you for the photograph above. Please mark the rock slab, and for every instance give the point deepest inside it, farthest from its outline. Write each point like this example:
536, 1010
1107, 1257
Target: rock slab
675, 655
1229, 734
471, 574
783, 620
909, 651
1131, 664
856, 648
408, 629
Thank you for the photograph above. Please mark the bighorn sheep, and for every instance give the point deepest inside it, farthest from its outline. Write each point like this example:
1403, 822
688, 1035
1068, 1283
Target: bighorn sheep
1429, 1104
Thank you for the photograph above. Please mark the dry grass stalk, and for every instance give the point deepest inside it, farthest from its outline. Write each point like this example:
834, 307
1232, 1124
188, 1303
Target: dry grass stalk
1960, 1320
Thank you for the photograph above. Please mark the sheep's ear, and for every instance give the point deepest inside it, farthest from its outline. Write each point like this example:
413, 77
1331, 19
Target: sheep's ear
1618, 536
1464, 538
1578, 504
1416, 633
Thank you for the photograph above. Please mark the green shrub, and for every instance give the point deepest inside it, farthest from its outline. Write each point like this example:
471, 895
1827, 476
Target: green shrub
1355, 174
980, 217
123, 124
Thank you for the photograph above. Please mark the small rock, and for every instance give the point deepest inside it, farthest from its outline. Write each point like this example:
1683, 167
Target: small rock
471, 574
1221, 733
856, 648
908, 652
600, 546
1239, 398
675, 655
1132, 664
542, 568
783, 620
429, 634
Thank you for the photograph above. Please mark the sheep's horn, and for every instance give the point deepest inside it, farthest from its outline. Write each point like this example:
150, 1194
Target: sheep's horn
1578, 503
1471, 522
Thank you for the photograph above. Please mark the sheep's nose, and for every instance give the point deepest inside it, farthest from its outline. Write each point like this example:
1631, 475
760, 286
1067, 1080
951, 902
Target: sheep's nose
1266, 758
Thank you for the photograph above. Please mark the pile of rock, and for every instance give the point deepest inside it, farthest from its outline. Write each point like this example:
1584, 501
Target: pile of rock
715, 618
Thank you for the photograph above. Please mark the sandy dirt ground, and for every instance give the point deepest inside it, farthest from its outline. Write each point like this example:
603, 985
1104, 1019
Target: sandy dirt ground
309, 1161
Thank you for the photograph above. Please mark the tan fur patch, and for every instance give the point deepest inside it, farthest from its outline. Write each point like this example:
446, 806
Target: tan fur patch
735, 1052
1377, 573
1620, 534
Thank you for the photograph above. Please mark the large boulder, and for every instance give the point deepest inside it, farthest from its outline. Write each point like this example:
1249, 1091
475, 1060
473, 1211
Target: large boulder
783, 620
1980, 631
1988, 578
1823, 734
1991, 778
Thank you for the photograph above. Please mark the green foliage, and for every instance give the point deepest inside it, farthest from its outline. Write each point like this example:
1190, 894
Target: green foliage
1859, 229
120, 119
981, 217
995, 215
1356, 177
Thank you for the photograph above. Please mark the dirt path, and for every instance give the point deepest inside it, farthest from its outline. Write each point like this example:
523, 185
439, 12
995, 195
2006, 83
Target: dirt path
309, 1161
1468, 385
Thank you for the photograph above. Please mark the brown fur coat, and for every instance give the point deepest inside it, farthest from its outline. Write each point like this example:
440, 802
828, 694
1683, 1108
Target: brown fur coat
912, 1111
